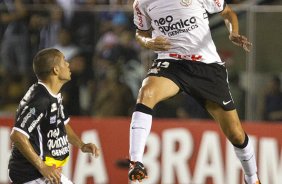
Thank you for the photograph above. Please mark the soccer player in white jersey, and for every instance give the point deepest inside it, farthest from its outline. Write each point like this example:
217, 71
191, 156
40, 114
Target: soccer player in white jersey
178, 31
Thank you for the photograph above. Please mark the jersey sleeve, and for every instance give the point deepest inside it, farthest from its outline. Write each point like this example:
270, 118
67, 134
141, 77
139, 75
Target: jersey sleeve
140, 18
214, 6
66, 117
29, 118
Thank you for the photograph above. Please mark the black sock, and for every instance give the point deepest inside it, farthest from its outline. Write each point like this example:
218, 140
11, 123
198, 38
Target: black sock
143, 108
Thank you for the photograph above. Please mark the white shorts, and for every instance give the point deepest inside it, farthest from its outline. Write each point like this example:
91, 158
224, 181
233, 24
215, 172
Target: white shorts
64, 180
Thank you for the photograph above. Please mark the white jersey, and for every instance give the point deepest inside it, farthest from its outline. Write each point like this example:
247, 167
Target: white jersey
184, 22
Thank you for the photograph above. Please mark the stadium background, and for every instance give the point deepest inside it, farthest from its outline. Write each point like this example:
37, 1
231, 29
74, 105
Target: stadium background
108, 66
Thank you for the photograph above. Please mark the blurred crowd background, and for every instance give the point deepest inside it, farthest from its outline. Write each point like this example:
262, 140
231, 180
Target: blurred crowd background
107, 65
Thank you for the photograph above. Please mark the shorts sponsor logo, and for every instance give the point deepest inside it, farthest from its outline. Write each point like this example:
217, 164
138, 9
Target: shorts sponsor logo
157, 67
226, 102
168, 26
154, 70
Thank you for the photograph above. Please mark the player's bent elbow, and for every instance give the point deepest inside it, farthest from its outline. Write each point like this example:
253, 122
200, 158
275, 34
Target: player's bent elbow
16, 136
13, 136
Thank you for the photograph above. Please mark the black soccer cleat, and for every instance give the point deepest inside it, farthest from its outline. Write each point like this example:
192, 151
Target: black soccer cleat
137, 171
257, 182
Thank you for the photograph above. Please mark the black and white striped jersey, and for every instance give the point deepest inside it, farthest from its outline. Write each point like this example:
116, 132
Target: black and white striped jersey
40, 117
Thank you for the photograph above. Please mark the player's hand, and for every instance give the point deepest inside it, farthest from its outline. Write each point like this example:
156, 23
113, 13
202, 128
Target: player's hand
90, 148
159, 43
51, 174
241, 41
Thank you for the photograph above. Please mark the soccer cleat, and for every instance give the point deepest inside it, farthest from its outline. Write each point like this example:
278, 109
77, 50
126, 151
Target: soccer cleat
252, 179
257, 182
137, 171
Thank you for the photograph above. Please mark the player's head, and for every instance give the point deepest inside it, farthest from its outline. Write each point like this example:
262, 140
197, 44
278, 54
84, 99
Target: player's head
49, 62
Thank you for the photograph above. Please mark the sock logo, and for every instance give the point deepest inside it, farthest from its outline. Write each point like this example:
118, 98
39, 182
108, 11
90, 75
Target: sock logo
138, 128
245, 160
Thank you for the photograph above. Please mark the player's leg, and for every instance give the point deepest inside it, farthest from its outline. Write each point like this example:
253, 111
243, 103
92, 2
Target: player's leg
15, 177
65, 180
231, 126
154, 89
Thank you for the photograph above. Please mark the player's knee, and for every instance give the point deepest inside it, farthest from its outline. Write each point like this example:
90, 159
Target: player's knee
147, 94
236, 138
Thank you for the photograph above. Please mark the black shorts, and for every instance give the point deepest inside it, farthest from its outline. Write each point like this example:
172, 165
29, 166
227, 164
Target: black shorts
200, 80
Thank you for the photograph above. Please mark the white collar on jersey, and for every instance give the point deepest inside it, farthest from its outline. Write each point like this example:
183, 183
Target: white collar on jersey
58, 96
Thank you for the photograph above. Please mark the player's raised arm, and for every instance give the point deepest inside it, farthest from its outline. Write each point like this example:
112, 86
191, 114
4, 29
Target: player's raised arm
231, 22
76, 141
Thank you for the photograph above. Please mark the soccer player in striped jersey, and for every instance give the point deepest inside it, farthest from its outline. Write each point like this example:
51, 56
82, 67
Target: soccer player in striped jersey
41, 134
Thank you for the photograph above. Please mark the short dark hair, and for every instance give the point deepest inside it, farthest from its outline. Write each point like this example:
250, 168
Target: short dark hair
44, 62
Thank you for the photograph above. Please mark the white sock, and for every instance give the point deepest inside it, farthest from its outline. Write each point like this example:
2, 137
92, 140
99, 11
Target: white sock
248, 160
140, 128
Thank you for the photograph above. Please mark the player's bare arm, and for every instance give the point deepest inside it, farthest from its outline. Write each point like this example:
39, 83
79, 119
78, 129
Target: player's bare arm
145, 39
231, 22
76, 141
53, 174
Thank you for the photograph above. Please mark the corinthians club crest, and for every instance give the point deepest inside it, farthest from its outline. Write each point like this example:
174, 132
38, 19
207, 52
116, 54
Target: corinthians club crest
185, 2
